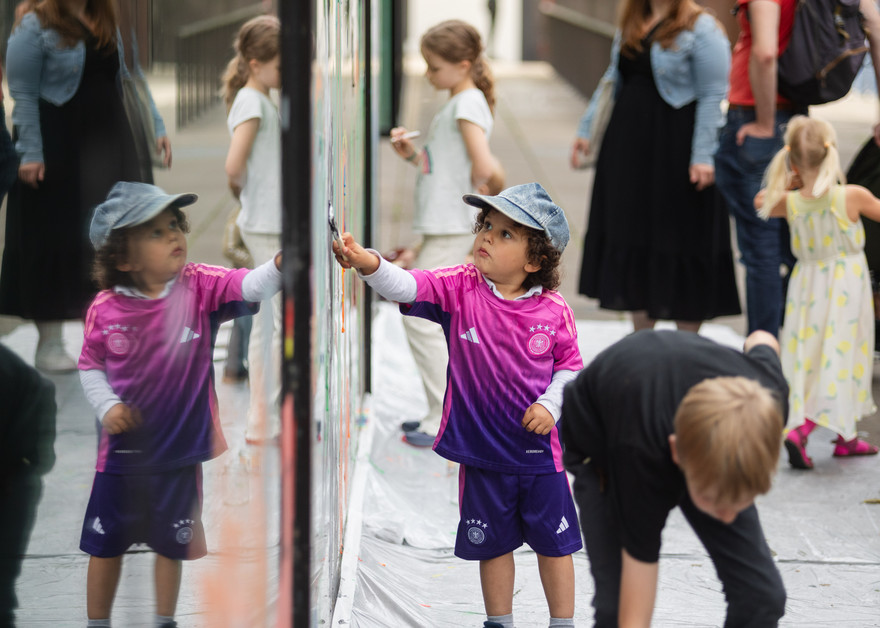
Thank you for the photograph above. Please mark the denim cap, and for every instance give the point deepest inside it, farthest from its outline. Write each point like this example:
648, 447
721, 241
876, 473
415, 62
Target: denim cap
529, 205
130, 204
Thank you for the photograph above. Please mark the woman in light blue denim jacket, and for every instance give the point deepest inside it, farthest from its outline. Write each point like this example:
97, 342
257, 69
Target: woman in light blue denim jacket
657, 244
42, 68
65, 67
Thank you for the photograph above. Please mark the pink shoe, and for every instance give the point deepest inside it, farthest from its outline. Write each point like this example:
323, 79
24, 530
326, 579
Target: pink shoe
795, 445
854, 447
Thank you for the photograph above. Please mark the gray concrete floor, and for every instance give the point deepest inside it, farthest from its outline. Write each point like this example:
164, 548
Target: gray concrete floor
822, 525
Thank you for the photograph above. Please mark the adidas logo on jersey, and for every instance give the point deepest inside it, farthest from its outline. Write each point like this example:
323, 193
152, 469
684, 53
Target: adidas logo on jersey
471, 336
188, 334
563, 526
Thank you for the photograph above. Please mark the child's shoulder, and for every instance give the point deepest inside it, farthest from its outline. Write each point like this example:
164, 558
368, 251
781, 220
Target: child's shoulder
198, 270
461, 271
247, 102
104, 298
553, 298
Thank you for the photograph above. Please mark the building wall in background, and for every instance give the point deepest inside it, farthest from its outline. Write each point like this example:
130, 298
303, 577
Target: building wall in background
169, 15
506, 44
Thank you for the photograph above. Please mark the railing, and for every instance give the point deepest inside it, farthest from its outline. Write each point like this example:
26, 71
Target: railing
203, 50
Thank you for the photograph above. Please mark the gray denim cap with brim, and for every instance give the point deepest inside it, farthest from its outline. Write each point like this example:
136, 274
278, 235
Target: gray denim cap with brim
529, 205
130, 204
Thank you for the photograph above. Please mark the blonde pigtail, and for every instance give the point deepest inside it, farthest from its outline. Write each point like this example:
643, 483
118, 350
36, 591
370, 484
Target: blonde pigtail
776, 181
830, 172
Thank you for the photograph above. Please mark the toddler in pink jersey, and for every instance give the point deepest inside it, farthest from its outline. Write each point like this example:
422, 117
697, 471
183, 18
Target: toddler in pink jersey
503, 320
146, 368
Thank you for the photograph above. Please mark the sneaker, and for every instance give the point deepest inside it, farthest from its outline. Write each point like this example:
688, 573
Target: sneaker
51, 358
854, 447
169, 624
418, 439
492, 624
795, 445
410, 426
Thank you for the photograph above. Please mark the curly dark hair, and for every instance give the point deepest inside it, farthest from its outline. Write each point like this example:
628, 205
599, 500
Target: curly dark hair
540, 253
115, 252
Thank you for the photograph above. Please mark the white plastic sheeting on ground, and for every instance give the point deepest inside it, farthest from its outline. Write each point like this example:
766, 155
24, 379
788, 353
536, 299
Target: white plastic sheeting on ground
826, 538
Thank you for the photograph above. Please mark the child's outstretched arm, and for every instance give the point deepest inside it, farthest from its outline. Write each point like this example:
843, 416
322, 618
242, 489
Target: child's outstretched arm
391, 281
860, 202
402, 144
263, 282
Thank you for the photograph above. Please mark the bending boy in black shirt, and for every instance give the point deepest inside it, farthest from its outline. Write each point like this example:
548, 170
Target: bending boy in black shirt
664, 419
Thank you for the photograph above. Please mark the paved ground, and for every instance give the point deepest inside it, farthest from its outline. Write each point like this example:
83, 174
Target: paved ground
821, 525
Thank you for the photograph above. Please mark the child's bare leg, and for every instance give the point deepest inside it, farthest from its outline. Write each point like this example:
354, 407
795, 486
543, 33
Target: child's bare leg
641, 320
557, 578
693, 326
101, 583
167, 576
496, 579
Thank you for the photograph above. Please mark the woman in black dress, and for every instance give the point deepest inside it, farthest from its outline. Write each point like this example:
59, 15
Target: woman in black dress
63, 68
658, 239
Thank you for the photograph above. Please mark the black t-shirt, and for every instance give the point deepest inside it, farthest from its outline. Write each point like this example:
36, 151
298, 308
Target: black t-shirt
620, 410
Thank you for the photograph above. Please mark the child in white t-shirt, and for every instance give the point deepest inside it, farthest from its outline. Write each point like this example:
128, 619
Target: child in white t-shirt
454, 161
253, 166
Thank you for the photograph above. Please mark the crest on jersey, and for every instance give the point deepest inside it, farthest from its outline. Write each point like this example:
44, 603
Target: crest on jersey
541, 339
119, 339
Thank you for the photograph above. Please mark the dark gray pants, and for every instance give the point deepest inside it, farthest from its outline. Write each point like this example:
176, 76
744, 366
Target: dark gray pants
752, 583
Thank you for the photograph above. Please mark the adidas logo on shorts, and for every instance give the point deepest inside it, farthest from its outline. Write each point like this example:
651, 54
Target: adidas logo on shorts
563, 526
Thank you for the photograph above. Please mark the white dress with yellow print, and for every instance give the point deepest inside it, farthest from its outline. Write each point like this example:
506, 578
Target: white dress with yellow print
828, 336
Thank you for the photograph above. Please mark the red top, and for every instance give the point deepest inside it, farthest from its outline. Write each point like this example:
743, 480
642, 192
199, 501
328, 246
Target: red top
740, 86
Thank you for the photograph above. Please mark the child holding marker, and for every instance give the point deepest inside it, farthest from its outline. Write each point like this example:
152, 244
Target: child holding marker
502, 319
454, 161
253, 166
828, 336
147, 370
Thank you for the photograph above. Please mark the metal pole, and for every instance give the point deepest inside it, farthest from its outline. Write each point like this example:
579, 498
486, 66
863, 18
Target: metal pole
295, 604
369, 149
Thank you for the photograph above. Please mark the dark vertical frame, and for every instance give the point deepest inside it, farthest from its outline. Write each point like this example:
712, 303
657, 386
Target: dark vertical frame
297, 53
369, 149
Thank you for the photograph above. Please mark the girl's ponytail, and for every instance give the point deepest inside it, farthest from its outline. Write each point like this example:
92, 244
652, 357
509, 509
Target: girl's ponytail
482, 76
234, 78
830, 172
777, 180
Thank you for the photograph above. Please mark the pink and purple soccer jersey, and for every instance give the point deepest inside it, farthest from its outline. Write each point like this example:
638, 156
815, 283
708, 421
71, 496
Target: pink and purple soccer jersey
157, 354
502, 356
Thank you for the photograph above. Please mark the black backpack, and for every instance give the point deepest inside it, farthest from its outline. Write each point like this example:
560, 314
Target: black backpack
825, 52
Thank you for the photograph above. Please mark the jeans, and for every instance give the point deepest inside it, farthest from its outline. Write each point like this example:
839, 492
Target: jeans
764, 246
752, 584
